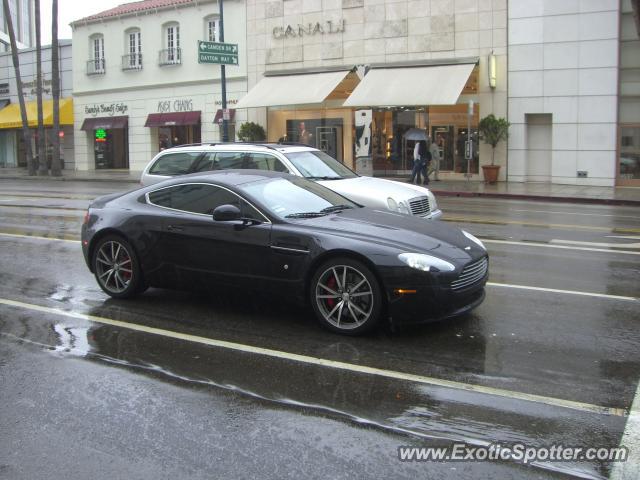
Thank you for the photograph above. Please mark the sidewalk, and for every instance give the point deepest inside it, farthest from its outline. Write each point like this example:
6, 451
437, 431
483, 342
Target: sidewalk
450, 188
535, 191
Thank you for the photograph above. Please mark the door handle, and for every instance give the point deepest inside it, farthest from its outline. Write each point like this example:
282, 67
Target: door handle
174, 228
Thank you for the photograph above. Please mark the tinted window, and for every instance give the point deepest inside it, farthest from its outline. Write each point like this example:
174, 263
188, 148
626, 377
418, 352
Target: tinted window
289, 196
174, 163
317, 164
263, 161
201, 198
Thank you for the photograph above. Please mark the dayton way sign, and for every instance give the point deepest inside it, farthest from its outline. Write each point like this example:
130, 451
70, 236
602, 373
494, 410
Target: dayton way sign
218, 53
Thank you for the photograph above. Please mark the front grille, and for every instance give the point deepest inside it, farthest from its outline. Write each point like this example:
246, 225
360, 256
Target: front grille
420, 206
471, 274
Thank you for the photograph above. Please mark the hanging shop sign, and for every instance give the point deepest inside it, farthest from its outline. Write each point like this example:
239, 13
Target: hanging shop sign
309, 29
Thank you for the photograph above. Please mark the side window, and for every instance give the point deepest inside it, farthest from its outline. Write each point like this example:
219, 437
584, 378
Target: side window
201, 198
263, 161
206, 163
227, 160
174, 163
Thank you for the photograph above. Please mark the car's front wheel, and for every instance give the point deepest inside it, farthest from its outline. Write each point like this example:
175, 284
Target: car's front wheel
116, 267
346, 296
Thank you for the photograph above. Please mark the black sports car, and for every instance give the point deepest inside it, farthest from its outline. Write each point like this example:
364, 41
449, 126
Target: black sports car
283, 234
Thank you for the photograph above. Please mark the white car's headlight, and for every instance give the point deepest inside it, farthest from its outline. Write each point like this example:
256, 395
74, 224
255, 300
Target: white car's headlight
433, 204
395, 206
426, 263
474, 239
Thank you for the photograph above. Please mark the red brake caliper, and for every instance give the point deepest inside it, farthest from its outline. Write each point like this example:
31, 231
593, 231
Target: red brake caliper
126, 275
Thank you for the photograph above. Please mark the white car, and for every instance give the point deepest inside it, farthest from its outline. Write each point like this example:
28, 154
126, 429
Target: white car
298, 160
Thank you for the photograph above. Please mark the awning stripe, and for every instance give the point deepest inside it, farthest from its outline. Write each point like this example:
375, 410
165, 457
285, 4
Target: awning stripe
10, 116
411, 86
292, 89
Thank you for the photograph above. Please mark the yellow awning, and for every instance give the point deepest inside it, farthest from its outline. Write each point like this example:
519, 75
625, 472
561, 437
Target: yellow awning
10, 115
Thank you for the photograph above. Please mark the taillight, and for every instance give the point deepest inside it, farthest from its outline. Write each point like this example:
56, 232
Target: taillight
86, 217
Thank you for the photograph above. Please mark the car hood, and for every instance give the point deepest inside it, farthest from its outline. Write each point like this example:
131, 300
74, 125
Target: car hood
395, 230
359, 188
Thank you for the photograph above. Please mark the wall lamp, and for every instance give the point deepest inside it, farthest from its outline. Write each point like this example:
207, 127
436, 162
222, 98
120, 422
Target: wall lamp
492, 70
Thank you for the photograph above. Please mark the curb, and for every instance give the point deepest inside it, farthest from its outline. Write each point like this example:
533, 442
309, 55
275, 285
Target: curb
69, 179
539, 198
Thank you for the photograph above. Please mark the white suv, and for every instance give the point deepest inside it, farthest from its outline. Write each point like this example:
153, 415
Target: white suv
298, 160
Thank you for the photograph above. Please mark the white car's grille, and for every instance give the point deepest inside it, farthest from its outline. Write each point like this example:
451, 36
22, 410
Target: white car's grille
470, 274
420, 206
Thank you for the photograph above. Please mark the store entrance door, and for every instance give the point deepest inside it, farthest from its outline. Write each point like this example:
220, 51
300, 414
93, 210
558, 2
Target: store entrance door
327, 141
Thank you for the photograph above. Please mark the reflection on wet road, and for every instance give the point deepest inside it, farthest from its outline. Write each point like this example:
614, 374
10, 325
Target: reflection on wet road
528, 366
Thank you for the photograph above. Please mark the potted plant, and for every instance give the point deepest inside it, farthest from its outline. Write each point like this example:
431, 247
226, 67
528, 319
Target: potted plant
251, 132
493, 131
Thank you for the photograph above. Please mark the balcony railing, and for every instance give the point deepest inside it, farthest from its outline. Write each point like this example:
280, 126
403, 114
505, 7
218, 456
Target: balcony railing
170, 56
132, 62
95, 67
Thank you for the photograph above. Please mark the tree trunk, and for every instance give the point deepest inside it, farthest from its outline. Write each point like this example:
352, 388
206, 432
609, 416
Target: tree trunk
41, 147
26, 133
56, 168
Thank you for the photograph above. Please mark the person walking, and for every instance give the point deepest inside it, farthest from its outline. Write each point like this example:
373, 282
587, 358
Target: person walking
434, 167
418, 164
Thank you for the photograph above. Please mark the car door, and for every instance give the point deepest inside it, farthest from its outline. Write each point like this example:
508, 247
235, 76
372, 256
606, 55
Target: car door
205, 252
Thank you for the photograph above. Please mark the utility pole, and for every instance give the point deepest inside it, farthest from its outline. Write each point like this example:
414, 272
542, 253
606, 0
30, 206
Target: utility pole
223, 80
469, 146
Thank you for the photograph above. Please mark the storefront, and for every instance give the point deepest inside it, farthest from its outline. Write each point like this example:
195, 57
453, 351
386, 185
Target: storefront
12, 149
361, 116
175, 128
109, 139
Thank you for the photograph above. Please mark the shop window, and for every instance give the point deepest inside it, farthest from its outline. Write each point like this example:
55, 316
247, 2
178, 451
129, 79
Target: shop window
96, 65
212, 28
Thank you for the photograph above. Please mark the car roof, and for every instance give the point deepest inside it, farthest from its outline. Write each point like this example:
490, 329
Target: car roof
239, 146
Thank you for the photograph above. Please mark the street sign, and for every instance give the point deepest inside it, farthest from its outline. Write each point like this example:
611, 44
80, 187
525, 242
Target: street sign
218, 53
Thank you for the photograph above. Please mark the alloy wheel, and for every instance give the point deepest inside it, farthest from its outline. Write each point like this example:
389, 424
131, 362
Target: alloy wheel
114, 268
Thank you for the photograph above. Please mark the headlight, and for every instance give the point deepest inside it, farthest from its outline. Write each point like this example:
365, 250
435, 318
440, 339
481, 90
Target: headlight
474, 240
433, 204
400, 207
426, 263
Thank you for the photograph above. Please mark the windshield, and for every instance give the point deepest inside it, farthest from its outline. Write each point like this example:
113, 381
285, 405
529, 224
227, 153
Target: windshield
317, 165
296, 198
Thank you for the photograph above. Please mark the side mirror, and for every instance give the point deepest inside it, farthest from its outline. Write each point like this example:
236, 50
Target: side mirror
227, 213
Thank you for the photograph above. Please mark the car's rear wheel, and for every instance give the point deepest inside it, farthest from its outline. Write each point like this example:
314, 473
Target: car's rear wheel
346, 296
116, 267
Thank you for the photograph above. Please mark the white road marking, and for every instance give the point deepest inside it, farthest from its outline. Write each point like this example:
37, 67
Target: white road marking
327, 363
630, 470
561, 247
601, 244
565, 292
39, 237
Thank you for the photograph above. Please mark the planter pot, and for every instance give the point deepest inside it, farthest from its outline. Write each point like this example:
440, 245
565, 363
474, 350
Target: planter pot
490, 173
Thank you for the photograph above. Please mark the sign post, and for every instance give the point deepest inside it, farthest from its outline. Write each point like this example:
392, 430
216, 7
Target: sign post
223, 79
468, 148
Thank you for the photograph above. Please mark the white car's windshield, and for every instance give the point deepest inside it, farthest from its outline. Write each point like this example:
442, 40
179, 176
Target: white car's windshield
296, 198
317, 165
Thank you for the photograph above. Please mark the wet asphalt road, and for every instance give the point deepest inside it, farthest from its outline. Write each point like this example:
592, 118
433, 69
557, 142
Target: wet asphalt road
89, 398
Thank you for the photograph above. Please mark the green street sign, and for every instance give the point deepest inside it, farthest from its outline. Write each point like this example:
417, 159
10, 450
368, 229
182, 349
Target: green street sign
218, 53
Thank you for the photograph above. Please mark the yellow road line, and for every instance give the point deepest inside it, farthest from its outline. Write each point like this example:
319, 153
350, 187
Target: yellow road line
327, 363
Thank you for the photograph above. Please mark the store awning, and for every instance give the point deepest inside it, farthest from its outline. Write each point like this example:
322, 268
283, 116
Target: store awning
173, 118
292, 89
10, 116
408, 86
106, 123
218, 117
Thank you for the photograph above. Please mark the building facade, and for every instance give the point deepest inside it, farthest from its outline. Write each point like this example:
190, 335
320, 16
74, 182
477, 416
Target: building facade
23, 24
364, 80
573, 92
12, 152
138, 87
